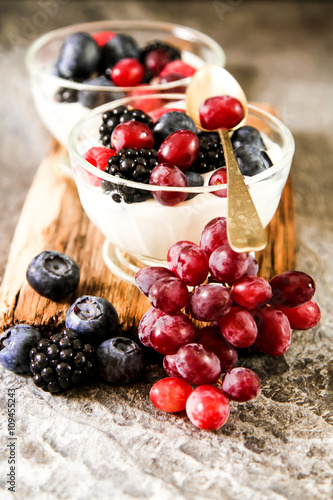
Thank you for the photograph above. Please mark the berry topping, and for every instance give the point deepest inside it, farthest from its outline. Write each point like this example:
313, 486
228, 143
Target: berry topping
170, 394
251, 160
207, 407
180, 148
121, 114
119, 47
131, 164
132, 134
98, 157
120, 360
79, 56
94, 319
171, 122
155, 114
156, 54
219, 177
53, 274
178, 67
168, 175
102, 37
210, 155
92, 98
241, 384
15, 346
221, 112
61, 362
247, 135
127, 73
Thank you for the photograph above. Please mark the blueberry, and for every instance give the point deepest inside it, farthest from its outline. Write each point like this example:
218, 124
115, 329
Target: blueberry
79, 56
251, 160
94, 319
15, 345
53, 274
92, 99
118, 48
247, 135
120, 360
193, 179
171, 122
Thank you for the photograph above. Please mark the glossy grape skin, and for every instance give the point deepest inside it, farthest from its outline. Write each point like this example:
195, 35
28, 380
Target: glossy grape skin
147, 276
171, 332
239, 327
226, 266
222, 111
302, 317
192, 265
274, 332
241, 384
251, 292
173, 252
208, 407
211, 338
253, 267
170, 367
132, 134
198, 365
146, 323
209, 302
219, 177
292, 289
170, 394
168, 175
169, 294
180, 148
128, 72
213, 235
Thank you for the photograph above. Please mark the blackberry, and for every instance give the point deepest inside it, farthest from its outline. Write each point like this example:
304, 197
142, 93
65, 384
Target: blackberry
61, 361
210, 156
118, 115
131, 164
172, 51
66, 95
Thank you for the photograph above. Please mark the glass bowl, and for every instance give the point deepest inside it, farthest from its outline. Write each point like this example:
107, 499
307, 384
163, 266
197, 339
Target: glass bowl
141, 233
59, 117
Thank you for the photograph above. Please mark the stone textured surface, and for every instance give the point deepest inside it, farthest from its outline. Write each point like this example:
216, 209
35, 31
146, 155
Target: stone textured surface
107, 442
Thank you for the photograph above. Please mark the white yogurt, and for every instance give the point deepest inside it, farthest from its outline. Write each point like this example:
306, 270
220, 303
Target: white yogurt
149, 228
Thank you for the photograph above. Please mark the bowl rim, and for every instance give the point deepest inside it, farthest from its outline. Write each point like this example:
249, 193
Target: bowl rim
32, 66
285, 161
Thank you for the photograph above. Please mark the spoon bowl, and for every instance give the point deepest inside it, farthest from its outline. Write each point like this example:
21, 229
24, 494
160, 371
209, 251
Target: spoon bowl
244, 228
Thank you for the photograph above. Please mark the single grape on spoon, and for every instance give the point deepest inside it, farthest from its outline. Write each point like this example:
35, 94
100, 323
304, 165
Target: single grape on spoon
211, 89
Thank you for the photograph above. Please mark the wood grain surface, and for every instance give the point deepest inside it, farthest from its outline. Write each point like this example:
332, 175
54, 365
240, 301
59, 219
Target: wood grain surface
52, 218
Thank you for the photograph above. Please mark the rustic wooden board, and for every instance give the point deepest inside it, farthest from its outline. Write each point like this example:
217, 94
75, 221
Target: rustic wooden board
53, 219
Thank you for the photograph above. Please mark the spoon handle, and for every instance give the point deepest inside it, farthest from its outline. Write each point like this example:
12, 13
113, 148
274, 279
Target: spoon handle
244, 228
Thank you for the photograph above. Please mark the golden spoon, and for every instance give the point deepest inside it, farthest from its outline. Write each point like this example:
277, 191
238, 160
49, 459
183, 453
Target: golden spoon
244, 228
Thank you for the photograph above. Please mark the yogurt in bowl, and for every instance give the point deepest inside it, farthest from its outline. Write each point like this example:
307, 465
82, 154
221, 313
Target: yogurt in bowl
140, 233
61, 98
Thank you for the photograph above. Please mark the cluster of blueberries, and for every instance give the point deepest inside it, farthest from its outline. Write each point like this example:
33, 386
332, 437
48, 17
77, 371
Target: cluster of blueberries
88, 344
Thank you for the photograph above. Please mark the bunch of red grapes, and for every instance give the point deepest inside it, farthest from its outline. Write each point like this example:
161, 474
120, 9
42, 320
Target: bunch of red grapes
211, 283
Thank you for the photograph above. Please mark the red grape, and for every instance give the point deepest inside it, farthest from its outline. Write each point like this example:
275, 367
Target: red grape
251, 292
180, 148
169, 365
198, 365
239, 327
222, 111
209, 302
174, 251
168, 175
292, 289
128, 72
302, 317
132, 134
146, 324
241, 384
192, 265
226, 265
208, 407
219, 177
211, 338
170, 332
214, 235
170, 394
169, 294
274, 332
253, 268
155, 60
147, 276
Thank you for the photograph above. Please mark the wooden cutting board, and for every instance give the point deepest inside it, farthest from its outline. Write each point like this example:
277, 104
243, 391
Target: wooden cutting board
52, 218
